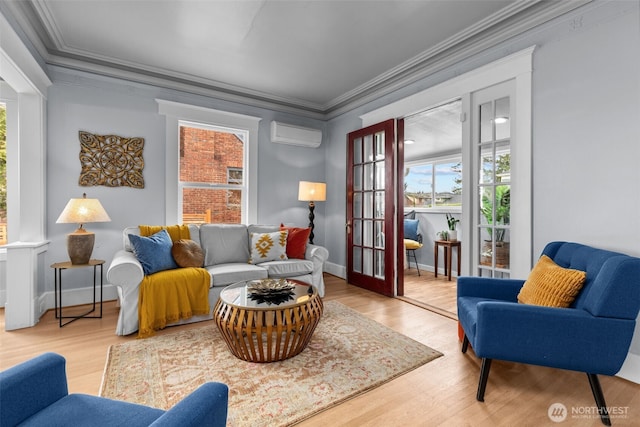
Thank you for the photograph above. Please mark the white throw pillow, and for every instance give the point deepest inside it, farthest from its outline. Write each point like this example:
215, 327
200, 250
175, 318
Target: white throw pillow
268, 247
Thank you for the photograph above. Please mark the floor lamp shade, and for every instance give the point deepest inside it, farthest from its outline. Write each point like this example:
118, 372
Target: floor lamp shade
80, 242
312, 192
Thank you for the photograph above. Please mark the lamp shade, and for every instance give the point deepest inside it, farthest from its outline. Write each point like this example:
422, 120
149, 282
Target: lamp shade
80, 242
83, 211
312, 191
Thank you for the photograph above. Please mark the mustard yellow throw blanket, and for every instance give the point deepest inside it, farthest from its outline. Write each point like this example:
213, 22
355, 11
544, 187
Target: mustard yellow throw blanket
171, 295
176, 232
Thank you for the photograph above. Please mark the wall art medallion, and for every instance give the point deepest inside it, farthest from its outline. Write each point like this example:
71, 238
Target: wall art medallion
111, 160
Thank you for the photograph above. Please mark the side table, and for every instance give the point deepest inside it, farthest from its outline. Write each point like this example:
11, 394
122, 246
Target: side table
57, 271
448, 246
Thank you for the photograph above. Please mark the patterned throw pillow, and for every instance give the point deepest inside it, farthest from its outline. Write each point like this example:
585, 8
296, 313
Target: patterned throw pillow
268, 247
550, 285
296, 241
154, 252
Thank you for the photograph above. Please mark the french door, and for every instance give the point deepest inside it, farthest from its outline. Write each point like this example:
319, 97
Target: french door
371, 236
501, 180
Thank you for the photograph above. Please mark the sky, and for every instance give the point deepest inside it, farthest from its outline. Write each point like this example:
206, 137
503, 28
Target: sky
420, 178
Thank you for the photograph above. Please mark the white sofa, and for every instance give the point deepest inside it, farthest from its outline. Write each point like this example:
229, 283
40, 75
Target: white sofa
227, 251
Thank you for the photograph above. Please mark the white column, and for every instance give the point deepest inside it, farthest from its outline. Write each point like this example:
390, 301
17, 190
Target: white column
25, 277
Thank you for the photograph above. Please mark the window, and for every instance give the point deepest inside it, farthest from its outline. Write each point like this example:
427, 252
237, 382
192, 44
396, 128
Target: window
211, 173
241, 126
433, 184
234, 176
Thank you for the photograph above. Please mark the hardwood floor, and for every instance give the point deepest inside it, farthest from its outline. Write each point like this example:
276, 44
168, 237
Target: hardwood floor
434, 293
440, 393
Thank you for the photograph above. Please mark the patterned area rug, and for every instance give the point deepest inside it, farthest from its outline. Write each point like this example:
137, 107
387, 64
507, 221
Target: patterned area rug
348, 355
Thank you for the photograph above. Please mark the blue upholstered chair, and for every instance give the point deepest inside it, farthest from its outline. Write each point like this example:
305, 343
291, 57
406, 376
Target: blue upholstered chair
593, 335
34, 393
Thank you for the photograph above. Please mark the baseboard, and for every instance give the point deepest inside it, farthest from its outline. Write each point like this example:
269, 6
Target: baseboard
630, 368
79, 296
336, 270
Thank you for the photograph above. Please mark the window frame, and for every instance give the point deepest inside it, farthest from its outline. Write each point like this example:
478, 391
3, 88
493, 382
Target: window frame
175, 112
434, 161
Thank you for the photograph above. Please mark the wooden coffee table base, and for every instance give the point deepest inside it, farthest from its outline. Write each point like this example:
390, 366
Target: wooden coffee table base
268, 335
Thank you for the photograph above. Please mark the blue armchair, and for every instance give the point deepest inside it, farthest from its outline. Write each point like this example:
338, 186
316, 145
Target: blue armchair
34, 393
593, 335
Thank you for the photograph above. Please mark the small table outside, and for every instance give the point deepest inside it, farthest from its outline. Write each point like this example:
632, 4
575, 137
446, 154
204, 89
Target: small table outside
258, 331
448, 254
57, 271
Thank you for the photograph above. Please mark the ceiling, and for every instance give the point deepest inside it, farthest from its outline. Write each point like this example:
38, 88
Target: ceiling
436, 132
313, 57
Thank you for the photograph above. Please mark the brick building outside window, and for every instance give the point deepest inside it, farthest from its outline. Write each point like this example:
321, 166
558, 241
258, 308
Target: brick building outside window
211, 175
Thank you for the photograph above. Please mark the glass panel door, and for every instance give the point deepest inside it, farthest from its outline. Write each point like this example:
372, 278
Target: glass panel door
492, 139
370, 208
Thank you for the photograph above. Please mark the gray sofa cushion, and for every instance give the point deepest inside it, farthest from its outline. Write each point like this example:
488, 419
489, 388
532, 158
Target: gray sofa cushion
288, 268
257, 228
226, 274
224, 243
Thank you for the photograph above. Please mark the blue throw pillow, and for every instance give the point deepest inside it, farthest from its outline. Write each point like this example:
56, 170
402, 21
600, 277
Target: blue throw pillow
153, 252
411, 229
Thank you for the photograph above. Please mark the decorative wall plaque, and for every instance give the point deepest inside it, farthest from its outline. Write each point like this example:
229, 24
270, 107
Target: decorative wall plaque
111, 160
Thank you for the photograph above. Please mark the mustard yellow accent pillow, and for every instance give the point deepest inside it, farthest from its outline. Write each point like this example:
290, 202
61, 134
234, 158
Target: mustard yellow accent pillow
268, 247
550, 285
412, 244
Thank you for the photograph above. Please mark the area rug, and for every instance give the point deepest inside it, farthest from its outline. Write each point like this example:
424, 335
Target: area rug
348, 355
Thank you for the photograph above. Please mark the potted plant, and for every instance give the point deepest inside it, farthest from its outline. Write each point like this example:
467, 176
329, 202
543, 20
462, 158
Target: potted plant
502, 212
443, 235
451, 223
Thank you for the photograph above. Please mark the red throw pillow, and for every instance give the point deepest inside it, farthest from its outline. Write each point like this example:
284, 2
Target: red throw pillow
296, 241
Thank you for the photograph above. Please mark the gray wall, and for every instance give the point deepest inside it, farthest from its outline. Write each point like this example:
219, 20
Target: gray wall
586, 126
79, 101
586, 130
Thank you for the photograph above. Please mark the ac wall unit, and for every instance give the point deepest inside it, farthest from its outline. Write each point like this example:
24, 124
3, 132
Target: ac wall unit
295, 135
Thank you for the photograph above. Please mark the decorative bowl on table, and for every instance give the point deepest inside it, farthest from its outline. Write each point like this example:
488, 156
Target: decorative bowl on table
269, 286
271, 291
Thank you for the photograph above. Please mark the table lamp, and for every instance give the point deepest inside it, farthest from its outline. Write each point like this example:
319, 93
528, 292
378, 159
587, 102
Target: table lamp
312, 192
80, 242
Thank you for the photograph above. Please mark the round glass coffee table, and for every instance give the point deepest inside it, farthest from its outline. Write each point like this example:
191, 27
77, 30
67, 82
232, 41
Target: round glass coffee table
260, 325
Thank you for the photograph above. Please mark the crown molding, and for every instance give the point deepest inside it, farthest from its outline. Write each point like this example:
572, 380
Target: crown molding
36, 22
425, 65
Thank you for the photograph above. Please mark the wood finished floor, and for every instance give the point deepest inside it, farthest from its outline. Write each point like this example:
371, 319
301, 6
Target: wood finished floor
434, 293
440, 393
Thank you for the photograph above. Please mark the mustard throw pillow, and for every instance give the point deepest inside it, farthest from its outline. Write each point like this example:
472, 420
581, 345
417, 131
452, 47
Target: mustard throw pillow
550, 285
412, 244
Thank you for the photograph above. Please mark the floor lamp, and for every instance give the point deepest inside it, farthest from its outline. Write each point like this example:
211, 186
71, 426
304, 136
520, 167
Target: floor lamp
312, 192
